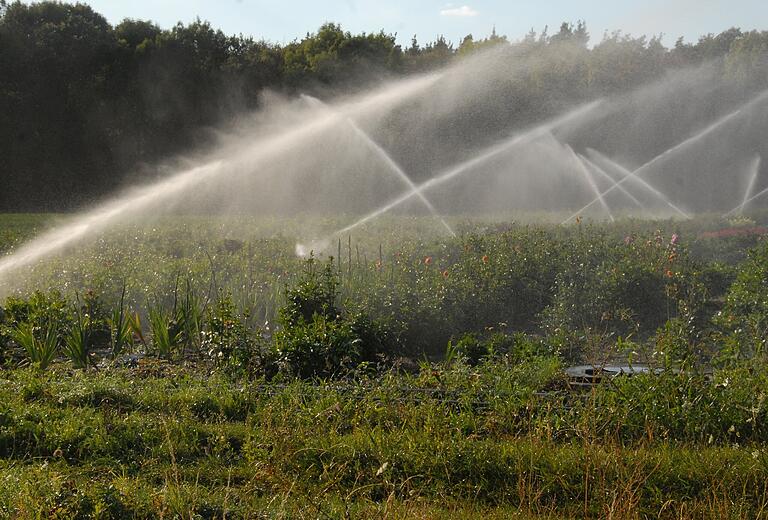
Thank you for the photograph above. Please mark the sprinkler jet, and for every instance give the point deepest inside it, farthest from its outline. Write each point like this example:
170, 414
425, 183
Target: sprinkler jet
384, 156
628, 175
610, 179
479, 159
675, 149
582, 167
754, 170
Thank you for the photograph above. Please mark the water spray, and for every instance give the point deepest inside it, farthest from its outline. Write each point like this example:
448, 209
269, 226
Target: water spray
590, 180
479, 159
672, 151
610, 179
138, 202
632, 176
754, 170
386, 158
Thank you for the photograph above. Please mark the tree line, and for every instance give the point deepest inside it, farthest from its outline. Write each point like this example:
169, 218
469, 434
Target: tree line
85, 104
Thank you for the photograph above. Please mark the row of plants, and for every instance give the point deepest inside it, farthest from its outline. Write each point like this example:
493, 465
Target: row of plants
117, 444
191, 404
578, 295
313, 338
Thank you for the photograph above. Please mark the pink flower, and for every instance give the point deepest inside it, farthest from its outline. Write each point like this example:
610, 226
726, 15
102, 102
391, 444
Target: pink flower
674, 239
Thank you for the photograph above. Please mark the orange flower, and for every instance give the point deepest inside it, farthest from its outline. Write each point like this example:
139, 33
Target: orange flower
669, 274
427, 260
485, 259
378, 265
445, 273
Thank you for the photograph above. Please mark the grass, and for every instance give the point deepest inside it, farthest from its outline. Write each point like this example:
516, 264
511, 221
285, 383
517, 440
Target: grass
266, 386
123, 444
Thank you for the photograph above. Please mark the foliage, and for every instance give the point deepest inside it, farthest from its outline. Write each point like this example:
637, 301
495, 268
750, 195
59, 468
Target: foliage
744, 317
316, 338
166, 333
314, 295
513, 348
119, 328
40, 351
319, 347
78, 341
86, 103
450, 441
227, 340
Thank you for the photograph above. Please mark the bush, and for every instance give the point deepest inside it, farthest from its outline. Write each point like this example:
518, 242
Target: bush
315, 294
622, 287
514, 348
744, 318
38, 325
316, 339
321, 347
227, 340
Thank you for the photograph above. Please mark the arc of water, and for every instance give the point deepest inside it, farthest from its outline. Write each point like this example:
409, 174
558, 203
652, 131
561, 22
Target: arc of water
755, 170
479, 159
138, 201
613, 181
100, 218
753, 197
628, 175
387, 159
590, 180
670, 152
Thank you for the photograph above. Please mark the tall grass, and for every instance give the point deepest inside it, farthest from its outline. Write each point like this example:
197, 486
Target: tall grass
40, 351
119, 327
77, 342
166, 334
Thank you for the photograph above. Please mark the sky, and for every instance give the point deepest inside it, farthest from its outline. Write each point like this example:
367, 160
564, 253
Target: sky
282, 21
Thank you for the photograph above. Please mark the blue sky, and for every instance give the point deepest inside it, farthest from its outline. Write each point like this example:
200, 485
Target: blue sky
283, 20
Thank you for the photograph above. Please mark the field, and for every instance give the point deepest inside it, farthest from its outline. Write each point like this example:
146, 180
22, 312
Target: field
198, 368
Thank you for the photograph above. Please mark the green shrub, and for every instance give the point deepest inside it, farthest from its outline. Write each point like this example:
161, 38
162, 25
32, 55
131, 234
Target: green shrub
321, 347
227, 340
78, 341
166, 334
316, 339
119, 328
314, 294
40, 350
515, 348
744, 318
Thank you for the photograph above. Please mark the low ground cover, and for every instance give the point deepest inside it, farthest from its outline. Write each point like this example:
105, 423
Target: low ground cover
201, 375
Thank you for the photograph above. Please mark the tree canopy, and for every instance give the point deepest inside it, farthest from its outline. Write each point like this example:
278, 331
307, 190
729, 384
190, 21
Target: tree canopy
85, 104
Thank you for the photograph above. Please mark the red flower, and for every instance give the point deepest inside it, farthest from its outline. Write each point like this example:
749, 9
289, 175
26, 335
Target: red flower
427, 260
445, 273
485, 259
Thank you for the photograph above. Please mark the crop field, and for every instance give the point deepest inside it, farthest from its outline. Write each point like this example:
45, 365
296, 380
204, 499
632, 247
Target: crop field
199, 368
516, 271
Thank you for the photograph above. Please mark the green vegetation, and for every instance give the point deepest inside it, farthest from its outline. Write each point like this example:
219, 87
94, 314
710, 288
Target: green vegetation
404, 377
448, 440
87, 105
194, 367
